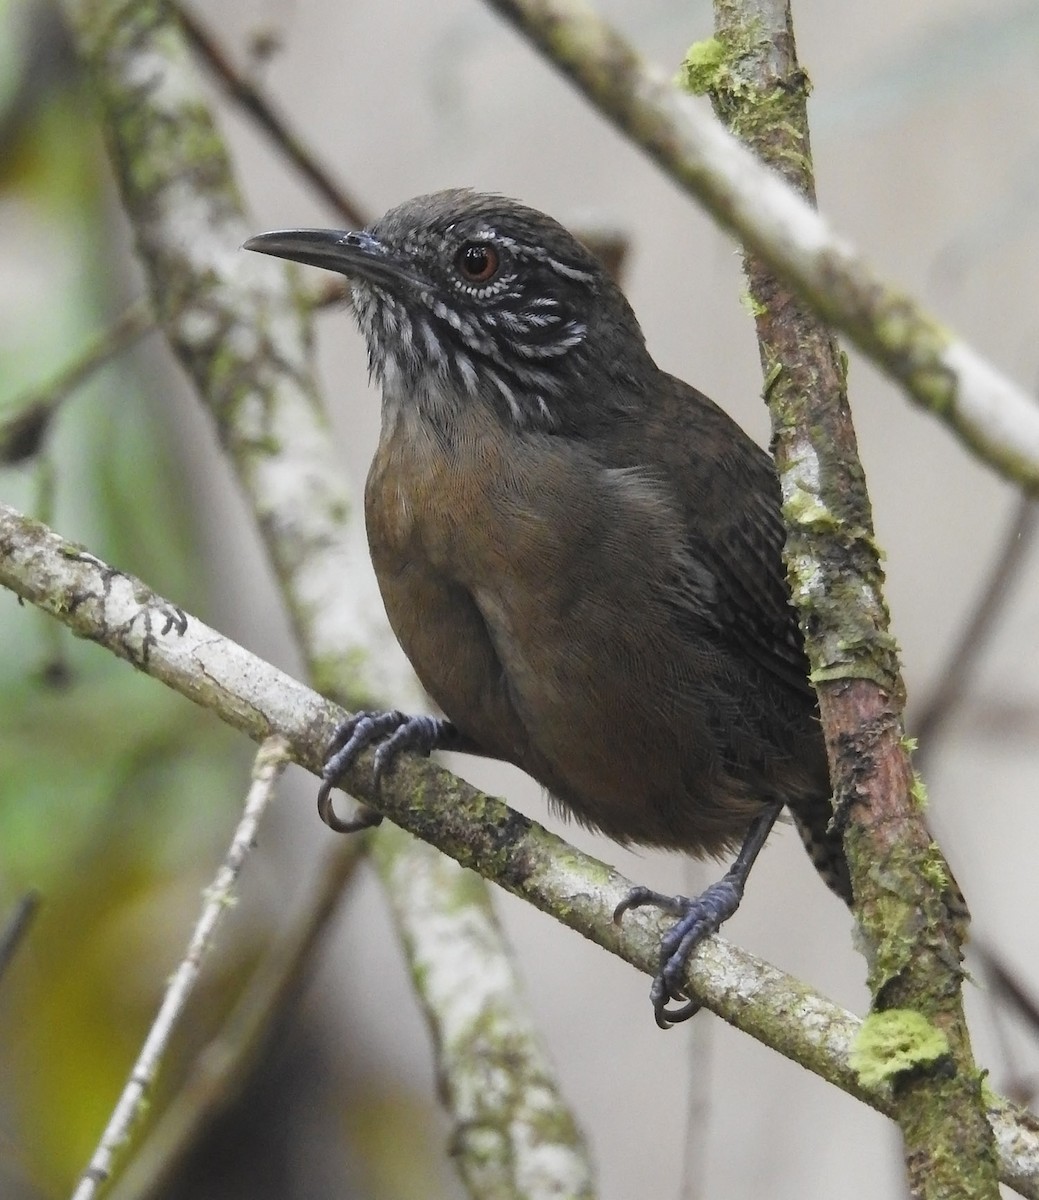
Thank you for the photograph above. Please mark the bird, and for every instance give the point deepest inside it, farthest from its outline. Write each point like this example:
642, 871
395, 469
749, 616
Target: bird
580, 554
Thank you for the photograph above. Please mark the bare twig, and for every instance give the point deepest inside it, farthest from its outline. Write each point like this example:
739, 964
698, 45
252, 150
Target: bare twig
1011, 986
26, 418
608, 244
13, 933
941, 373
251, 100
950, 691
221, 1068
270, 762
1005, 986
480, 832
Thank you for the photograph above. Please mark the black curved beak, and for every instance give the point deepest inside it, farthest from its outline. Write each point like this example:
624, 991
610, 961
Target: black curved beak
347, 252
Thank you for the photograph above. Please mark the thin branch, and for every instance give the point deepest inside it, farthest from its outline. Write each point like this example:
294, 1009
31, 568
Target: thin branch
950, 691
27, 418
990, 414
1025, 1003
1006, 987
221, 1068
950, 695
250, 98
610, 245
124, 615
17, 926
271, 760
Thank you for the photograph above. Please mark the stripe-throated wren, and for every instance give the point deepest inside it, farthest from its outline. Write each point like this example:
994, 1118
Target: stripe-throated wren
579, 553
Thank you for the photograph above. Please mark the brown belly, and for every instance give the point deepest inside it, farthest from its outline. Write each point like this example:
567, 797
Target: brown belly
539, 632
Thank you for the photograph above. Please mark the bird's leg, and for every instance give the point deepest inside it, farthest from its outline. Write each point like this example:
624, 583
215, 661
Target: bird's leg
395, 732
698, 917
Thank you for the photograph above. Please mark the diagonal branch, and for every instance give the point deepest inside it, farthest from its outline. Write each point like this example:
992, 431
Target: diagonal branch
16, 926
268, 766
251, 100
951, 690
127, 618
610, 245
27, 418
219, 1074
995, 418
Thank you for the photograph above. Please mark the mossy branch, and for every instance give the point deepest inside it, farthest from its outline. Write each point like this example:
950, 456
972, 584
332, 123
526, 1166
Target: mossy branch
905, 900
123, 615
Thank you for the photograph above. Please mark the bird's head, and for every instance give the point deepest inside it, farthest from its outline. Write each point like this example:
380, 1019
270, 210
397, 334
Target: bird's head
479, 297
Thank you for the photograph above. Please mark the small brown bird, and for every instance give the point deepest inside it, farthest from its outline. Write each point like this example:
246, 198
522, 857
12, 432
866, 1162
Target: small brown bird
579, 553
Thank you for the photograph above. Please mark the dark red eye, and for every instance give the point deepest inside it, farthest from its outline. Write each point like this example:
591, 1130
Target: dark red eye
477, 262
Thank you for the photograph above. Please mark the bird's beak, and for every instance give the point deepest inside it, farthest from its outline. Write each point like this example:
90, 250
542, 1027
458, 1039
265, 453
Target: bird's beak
359, 254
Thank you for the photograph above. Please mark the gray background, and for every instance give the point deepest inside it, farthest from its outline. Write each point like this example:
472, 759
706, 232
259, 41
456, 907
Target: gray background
926, 137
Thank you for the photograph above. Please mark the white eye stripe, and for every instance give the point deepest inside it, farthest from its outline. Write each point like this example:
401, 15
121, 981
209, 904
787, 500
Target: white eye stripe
569, 272
499, 344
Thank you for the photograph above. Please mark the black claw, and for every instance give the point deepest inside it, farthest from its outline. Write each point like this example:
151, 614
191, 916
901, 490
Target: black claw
395, 732
666, 1017
703, 916
698, 918
640, 896
363, 818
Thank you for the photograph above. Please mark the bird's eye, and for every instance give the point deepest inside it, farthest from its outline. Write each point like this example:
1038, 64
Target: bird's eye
477, 262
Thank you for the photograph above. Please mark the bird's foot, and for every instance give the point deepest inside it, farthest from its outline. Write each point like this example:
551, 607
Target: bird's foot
698, 917
394, 732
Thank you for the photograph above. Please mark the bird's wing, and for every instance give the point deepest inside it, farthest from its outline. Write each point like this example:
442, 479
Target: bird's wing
753, 609
728, 574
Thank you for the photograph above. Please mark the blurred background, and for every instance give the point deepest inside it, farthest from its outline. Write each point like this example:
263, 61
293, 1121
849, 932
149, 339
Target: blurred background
117, 798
